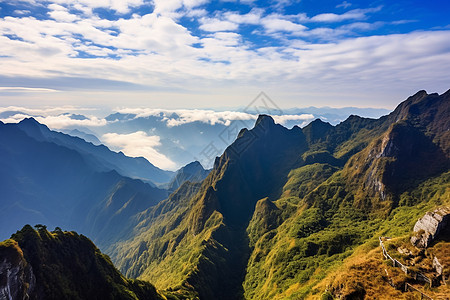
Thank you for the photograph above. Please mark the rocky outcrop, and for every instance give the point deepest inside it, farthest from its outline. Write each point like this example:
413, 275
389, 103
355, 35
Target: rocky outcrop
438, 266
17, 280
429, 226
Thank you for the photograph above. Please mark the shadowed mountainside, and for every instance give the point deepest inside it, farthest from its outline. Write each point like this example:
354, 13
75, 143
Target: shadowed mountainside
48, 183
99, 156
38, 264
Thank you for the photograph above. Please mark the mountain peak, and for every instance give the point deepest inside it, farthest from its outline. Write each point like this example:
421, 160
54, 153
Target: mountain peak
319, 121
420, 105
29, 120
33, 122
193, 167
193, 172
33, 128
420, 94
316, 130
264, 120
417, 97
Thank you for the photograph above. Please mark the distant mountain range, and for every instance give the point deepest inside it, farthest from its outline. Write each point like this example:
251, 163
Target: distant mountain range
185, 134
283, 214
56, 179
85, 136
99, 156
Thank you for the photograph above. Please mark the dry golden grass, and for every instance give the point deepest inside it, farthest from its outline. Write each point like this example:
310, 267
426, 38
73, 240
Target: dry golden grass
367, 275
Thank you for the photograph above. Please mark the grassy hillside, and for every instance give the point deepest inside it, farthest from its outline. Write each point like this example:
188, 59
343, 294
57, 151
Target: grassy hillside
283, 210
320, 242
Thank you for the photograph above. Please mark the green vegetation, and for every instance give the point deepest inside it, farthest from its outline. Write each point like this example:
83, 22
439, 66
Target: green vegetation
299, 254
284, 214
274, 220
69, 266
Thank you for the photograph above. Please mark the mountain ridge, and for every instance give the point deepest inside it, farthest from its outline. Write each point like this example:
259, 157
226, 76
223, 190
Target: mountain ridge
248, 212
43, 182
284, 210
100, 155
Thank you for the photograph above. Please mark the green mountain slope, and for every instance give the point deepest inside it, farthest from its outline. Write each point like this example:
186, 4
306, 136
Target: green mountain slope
38, 264
283, 208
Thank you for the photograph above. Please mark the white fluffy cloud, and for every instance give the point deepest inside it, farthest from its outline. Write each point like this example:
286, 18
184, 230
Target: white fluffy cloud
355, 14
139, 144
211, 24
273, 24
55, 117
177, 117
156, 51
58, 121
283, 119
64, 121
120, 6
252, 17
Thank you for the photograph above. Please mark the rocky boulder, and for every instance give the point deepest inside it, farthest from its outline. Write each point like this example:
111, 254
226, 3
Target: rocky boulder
429, 226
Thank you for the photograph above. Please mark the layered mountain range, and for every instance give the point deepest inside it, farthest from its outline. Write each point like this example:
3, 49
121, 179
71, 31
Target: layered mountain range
280, 215
59, 180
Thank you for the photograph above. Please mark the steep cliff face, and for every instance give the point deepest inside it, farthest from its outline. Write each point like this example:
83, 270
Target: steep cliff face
429, 113
412, 149
17, 280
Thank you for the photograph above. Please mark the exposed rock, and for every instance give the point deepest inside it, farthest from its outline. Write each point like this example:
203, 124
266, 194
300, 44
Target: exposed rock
429, 226
438, 266
389, 147
17, 280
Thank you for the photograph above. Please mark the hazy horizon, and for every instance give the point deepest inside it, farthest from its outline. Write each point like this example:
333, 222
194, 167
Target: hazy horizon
171, 138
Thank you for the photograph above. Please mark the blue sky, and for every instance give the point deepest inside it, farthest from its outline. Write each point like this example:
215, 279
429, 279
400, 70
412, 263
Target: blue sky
198, 54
